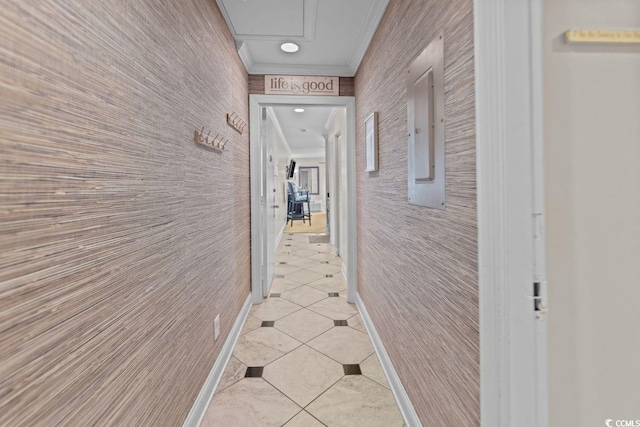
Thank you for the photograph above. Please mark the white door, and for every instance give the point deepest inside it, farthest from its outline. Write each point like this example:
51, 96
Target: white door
269, 205
337, 199
327, 186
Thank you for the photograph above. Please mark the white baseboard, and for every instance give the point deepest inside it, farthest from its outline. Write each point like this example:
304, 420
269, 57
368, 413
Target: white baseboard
402, 398
279, 238
201, 404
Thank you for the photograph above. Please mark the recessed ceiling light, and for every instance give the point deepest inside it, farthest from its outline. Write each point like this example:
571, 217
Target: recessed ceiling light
299, 110
289, 47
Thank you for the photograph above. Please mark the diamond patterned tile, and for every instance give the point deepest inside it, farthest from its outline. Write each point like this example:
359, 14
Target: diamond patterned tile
286, 269
249, 402
323, 247
273, 309
282, 257
304, 253
334, 308
233, 373
303, 419
304, 295
304, 276
303, 374
344, 345
304, 262
356, 323
372, 369
304, 325
329, 284
282, 285
325, 257
326, 269
252, 323
264, 345
272, 369
356, 400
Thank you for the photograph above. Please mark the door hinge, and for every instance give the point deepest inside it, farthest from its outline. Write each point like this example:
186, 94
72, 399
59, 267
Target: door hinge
539, 267
540, 299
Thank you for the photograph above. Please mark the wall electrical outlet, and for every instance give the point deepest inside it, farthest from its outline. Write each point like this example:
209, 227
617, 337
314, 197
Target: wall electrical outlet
216, 328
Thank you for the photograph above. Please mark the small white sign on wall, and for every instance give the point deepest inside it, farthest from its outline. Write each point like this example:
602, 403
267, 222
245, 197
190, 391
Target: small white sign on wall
302, 85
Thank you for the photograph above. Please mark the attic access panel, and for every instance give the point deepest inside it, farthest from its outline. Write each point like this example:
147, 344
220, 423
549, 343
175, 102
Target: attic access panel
282, 18
425, 122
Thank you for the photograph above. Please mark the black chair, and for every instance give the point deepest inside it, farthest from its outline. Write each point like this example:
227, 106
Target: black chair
298, 204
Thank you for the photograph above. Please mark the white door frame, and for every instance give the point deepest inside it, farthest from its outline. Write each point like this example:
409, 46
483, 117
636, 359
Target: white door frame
508, 71
257, 101
337, 171
269, 208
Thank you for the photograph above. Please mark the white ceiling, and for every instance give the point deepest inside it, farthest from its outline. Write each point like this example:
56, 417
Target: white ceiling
314, 119
333, 35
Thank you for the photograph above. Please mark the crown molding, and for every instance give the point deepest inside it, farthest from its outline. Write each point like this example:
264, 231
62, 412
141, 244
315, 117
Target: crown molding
245, 56
369, 27
302, 69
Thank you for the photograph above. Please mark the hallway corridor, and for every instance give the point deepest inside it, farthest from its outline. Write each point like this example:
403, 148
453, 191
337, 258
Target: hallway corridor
304, 357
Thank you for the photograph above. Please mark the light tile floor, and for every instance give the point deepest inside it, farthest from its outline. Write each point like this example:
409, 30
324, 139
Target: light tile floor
304, 358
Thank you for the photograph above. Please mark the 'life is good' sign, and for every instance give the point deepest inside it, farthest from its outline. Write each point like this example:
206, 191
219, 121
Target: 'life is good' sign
301, 85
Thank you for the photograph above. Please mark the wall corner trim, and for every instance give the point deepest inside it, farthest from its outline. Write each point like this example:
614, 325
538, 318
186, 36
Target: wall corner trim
402, 398
245, 56
208, 389
331, 119
279, 238
372, 19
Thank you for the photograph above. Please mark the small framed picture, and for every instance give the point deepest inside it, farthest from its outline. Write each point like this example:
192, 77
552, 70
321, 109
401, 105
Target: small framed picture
371, 142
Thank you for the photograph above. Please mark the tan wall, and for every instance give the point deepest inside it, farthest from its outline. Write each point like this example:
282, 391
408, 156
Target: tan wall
121, 239
417, 267
592, 150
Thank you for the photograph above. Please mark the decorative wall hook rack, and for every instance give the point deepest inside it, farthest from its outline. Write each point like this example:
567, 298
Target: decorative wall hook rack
236, 122
216, 142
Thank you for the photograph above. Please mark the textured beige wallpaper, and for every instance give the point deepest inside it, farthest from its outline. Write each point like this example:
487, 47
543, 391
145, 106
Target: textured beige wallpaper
417, 267
121, 239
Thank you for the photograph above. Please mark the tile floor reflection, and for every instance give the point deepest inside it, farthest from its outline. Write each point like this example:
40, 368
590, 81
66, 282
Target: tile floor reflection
304, 358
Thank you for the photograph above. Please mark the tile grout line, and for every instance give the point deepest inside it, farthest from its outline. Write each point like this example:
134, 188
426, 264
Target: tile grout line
306, 342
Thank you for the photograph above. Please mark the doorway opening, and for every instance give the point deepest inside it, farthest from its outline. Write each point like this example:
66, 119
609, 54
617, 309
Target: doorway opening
302, 180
